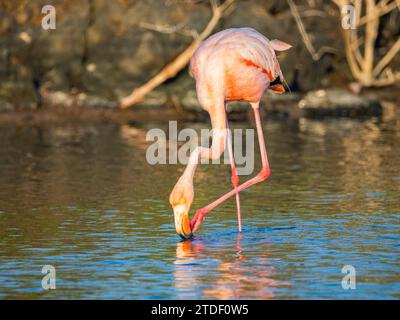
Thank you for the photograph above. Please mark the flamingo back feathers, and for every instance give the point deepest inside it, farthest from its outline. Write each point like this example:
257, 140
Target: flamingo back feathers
242, 60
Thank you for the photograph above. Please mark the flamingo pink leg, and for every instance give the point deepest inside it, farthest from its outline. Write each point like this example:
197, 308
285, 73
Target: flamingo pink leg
261, 176
234, 177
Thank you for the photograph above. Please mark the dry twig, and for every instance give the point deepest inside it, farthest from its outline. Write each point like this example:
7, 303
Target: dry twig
171, 69
316, 55
362, 66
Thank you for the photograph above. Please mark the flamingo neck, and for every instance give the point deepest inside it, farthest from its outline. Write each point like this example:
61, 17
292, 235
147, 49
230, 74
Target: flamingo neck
219, 134
192, 164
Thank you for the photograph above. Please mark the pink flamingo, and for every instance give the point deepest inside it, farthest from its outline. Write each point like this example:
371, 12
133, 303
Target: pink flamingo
236, 64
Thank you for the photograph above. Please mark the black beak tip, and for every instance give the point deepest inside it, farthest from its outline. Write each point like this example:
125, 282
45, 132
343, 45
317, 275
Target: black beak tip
185, 237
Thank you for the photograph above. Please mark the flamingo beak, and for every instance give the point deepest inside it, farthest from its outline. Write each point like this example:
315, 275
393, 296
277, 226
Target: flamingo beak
182, 223
277, 86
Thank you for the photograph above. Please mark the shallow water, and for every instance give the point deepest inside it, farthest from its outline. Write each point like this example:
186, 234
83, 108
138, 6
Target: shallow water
84, 199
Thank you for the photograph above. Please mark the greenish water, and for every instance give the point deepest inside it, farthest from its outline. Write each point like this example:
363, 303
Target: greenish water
84, 199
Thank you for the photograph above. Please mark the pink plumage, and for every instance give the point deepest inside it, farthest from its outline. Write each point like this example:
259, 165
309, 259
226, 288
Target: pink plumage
241, 61
234, 64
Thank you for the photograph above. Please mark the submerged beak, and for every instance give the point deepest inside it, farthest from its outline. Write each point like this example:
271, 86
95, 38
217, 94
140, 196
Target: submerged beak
182, 223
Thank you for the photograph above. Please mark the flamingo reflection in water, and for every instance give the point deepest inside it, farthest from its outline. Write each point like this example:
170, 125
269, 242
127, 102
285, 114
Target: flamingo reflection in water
233, 279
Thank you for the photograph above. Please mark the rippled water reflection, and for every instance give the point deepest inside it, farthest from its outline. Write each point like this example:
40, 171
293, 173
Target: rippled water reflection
84, 200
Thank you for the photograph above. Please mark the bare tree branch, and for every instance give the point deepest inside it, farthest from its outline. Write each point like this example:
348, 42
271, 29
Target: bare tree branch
171, 69
316, 55
166, 29
380, 10
387, 58
362, 66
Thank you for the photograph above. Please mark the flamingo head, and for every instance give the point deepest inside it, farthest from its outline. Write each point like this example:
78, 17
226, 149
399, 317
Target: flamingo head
181, 199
